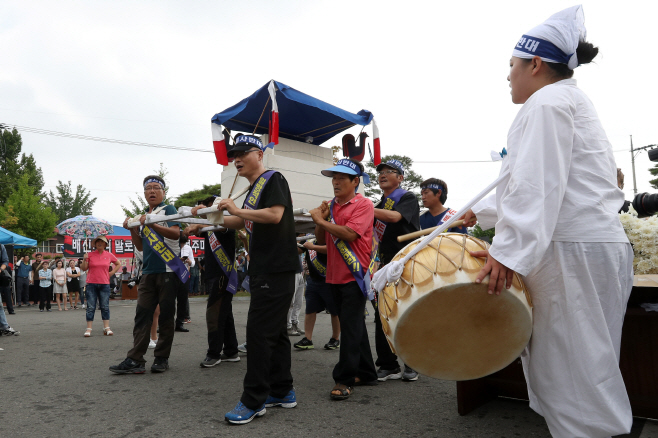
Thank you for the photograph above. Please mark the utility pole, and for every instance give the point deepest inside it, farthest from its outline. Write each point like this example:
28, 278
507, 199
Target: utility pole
633, 165
652, 156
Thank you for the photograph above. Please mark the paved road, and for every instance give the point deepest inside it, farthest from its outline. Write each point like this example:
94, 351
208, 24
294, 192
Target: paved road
55, 383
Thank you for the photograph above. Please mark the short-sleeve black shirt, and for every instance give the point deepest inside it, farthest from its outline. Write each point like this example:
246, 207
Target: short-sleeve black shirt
227, 240
273, 247
409, 209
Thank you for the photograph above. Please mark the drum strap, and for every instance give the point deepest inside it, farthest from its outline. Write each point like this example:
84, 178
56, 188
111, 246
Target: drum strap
224, 262
378, 230
362, 276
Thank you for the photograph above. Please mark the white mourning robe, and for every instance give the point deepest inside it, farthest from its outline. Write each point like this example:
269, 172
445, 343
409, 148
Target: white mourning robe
557, 224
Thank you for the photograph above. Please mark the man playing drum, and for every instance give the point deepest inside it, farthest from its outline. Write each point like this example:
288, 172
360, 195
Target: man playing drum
557, 225
345, 227
268, 219
434, 194
396, 214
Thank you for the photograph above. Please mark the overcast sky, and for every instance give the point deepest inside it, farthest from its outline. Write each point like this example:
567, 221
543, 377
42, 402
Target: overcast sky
433, 74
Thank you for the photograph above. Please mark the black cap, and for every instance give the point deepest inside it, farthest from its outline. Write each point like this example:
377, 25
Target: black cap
245, 143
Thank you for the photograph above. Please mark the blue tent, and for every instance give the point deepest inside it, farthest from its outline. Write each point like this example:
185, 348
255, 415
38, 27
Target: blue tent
15, 240
300, 115
120, 231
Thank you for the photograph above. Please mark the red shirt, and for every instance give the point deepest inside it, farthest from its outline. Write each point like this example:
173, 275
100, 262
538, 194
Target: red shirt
98, 267
358, 214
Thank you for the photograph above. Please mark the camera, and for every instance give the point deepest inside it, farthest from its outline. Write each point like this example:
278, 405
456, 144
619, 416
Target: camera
645, 204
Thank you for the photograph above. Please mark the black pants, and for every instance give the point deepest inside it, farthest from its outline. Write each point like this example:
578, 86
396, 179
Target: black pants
386, 359
5, 291
268, 365
355, 358
34, 293
219, 319
45, 294
182, 301
154, 289
22, 290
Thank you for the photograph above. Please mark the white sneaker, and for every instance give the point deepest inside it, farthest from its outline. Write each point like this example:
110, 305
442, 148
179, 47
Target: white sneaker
152, 343
84, 306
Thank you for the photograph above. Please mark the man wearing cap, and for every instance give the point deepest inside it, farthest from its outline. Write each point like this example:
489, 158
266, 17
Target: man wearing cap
434, 193
396, 214
268, 219
345, 227
160, 273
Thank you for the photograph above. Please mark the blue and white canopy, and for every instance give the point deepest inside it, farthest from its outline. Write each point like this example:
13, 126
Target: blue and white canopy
302, 117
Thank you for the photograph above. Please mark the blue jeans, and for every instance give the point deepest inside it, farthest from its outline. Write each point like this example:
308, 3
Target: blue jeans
4, 325
98, 293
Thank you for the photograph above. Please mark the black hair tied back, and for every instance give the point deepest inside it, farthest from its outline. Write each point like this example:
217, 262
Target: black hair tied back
586, 52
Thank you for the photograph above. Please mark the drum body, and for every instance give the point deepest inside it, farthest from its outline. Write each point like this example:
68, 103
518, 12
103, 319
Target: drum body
443, 324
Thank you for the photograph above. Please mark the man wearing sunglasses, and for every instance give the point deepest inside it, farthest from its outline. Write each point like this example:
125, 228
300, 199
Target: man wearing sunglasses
397, 213
267, 217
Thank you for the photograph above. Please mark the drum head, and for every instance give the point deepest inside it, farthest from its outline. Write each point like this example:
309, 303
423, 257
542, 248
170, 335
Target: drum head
461, 332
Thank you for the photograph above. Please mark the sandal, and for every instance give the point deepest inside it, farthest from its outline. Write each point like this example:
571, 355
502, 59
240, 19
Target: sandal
344, 390
107, 331
87, 333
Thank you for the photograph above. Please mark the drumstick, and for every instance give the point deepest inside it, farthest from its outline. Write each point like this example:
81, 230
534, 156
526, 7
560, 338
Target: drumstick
426, 231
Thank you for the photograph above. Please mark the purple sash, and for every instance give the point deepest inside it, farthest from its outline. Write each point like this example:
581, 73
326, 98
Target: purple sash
380, 226
224, 262
173, 262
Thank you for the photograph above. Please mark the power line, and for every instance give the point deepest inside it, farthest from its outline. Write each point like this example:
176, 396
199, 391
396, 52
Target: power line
102, 139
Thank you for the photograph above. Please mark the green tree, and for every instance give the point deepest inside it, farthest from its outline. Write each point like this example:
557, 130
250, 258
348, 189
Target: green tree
67, 205
35, 219
138, 206
654, 172
190, 198
14, 164
411, 180
486, 235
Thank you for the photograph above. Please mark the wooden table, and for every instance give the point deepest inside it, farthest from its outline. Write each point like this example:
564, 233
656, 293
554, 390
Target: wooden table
638, 361
128, 293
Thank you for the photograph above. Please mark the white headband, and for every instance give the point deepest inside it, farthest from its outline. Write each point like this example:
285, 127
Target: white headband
556, 39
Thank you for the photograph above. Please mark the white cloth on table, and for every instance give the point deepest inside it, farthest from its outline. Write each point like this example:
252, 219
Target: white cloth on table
557, 225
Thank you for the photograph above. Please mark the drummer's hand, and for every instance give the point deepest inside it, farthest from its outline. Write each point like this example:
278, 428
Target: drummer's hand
228, 205
142, 219
469, 219
85, 257
499, 274
308, 245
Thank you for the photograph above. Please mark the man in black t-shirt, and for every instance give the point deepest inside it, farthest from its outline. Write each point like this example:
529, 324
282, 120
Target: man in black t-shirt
318, 296
268, 219
397, 213
219, 310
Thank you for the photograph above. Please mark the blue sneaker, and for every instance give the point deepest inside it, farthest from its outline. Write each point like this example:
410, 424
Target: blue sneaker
243, 415
289, 401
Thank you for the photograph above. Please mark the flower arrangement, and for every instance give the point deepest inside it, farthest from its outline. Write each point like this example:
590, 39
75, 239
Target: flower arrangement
643, 235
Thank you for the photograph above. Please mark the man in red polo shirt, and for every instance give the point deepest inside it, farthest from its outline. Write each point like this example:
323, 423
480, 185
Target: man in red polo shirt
345, 226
